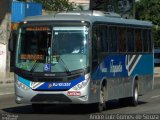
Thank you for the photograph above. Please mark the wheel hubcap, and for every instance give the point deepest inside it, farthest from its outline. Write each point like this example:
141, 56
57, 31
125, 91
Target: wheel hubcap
136, 94
102, 97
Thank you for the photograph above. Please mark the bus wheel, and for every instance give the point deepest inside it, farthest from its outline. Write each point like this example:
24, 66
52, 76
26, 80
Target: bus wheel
134, 98
101, 105
37, 108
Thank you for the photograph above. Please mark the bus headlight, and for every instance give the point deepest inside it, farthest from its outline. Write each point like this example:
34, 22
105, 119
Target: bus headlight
81, 84
21, 85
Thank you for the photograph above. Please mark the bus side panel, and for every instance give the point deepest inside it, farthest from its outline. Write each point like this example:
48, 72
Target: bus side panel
113, 69
120, 72
145, 71
119, 88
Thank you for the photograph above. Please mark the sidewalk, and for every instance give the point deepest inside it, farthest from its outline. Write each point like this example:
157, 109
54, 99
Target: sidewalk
157, 72
7, 80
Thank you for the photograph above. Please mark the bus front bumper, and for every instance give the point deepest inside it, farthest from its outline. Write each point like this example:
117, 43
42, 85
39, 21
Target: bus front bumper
29, 96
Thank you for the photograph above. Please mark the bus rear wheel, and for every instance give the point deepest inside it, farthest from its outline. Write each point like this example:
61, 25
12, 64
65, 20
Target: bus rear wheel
134, 99
101, 105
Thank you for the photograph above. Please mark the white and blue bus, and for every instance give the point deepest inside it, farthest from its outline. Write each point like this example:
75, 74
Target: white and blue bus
82, 58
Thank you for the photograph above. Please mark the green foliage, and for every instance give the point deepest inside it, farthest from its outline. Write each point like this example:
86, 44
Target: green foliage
79, 7
150, 10
56, 5
156, 36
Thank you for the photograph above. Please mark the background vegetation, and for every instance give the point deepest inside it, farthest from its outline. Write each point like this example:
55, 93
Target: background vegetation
150, 10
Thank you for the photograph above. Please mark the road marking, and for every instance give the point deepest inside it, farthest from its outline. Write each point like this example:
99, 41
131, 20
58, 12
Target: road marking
155, 96
6, 93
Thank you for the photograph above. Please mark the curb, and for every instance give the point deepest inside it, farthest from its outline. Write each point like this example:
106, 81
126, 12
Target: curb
6, 81
157, 75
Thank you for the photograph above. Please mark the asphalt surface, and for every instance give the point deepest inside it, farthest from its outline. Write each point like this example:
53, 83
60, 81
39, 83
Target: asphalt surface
9, 110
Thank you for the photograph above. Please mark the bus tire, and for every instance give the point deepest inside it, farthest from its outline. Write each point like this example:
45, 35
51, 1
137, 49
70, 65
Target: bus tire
134, 99
37, 108
101, 105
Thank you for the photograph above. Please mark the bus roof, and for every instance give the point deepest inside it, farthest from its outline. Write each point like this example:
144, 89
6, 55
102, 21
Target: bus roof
89, 16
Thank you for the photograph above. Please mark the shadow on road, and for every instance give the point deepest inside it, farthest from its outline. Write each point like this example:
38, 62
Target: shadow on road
115, 104
50, 109
66, 109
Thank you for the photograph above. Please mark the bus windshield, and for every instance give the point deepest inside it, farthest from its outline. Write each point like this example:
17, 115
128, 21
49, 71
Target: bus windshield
60, 49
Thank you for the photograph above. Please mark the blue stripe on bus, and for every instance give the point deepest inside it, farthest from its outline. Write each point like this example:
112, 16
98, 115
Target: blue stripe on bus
24, 81
54, 85
116, 66
60, 85
145, 66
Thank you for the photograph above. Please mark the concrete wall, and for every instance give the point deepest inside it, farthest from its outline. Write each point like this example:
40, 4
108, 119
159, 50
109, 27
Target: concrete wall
83, 3
4, 36
3, 60
5, 29
4, 54
80, 1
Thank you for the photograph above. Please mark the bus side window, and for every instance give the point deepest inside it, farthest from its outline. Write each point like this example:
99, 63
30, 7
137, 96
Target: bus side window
145, 40
94, 48
103, 39
130, 40
112, 38
149, 40
138, 40
122, 39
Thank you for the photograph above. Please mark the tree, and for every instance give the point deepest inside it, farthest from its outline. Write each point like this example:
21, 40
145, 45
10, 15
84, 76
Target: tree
56, 5
79, 7
150, 10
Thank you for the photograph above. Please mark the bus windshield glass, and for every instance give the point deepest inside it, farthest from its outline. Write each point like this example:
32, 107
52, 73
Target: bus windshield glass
60, 49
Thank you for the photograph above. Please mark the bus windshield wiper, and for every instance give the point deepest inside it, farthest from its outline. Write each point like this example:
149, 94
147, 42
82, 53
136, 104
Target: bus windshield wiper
64, 65
34, 66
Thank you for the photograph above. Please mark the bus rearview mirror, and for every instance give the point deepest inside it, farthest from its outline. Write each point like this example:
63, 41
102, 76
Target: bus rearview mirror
10, 44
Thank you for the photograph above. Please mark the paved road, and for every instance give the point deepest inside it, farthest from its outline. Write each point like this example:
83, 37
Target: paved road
149, 103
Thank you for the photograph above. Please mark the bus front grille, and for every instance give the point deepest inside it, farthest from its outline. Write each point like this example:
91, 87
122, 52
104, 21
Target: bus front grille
50, 98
